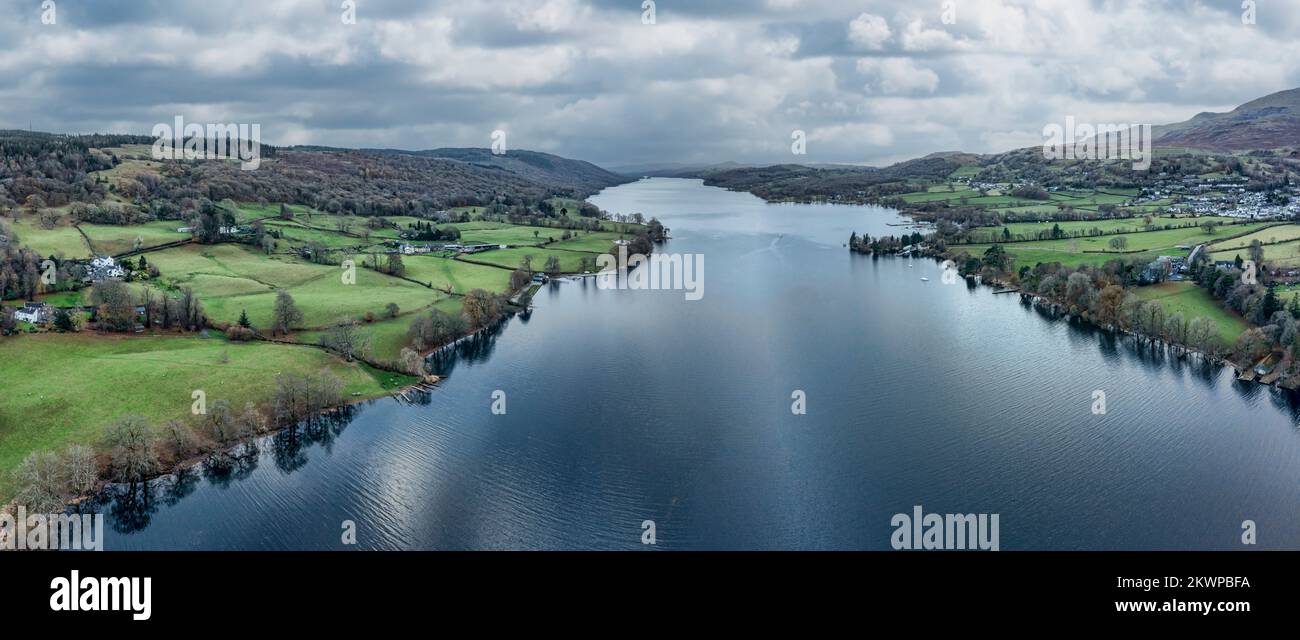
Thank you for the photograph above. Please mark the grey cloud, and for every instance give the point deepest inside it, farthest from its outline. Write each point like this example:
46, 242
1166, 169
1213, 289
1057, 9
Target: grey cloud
712, 81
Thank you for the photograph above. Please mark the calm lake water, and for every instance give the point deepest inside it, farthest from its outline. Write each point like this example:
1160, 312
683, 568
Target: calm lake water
626, 406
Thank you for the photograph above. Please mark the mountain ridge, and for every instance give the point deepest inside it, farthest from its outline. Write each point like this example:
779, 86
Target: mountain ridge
1269, 122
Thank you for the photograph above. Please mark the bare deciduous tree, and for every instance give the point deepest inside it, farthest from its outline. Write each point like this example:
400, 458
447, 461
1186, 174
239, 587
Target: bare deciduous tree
344, 338
80, 470
130, 444
286, 315
41, 477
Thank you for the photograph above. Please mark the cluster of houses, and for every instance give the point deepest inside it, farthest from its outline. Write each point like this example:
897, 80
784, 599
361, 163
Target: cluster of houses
103, 268
414, 249
42, 313
1221, 197
990, 186
99, 268
225, 231
1257, 206
1164, 268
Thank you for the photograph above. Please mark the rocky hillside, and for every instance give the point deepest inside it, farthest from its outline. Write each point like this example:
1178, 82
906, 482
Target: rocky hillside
1270, 122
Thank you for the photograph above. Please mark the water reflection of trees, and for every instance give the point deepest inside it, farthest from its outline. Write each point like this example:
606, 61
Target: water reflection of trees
1114, 346
1287, 402
1191, 365
130, 507
289, 446
224, 467
473, 349
179, 485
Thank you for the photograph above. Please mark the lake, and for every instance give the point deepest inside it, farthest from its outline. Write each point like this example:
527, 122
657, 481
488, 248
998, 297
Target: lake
627, 406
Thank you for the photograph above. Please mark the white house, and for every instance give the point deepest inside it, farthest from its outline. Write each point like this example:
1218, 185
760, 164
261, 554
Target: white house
104, 268
34, 312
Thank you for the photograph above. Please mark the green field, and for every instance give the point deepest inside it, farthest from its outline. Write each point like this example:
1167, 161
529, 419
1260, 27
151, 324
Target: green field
111, 240
1194, 302
1097, 251
570, 205
1271, 235
940, 196
570, 261
63, 298
999, 200
1136, 224
1085, 200
61, 388
1037, 209
1284, 254
388, 336
598, 242
506, 234
1002, 201
462, 276
295, 234
230, 279
1027, 256
63, 239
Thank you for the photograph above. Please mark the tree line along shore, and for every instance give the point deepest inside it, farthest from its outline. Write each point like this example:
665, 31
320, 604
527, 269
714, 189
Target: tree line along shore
1203, 280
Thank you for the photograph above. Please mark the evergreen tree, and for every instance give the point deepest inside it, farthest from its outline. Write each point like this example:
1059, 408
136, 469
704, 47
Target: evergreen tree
63, 320
1270, 304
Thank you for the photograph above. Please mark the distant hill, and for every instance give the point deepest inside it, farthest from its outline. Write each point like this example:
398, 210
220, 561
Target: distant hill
674, 169
799, 182
1264, 126
56, 168
1270, 122
576, 176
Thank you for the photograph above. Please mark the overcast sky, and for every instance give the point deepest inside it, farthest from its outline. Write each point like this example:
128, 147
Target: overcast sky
709, 81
